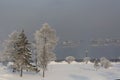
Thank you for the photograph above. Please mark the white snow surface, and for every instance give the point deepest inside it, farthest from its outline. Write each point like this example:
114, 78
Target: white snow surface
65, 71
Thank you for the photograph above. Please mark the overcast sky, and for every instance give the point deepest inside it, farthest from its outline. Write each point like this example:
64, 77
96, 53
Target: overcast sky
72, 19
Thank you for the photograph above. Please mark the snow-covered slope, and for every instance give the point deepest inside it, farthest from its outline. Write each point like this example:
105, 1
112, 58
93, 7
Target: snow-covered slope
64, 71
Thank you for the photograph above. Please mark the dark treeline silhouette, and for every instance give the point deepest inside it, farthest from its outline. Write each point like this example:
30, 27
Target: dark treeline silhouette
92, 60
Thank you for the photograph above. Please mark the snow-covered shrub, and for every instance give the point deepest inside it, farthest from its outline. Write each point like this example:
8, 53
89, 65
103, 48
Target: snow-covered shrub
10, 65
86, 59
105, 62
96, 64
102, 59
69, 59
4, 59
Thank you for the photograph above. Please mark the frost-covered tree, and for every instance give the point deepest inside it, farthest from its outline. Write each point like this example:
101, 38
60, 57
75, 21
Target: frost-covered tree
46, 41
105, 62
69, 59
86, 59
4, 58
22, 56
102, 59
96, 64
52, 56
34, 53
9, 47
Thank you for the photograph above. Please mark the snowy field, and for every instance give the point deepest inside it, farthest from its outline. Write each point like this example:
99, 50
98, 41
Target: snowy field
64, 71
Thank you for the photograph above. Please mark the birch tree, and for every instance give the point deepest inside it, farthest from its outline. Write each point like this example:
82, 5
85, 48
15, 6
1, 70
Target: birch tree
46, 41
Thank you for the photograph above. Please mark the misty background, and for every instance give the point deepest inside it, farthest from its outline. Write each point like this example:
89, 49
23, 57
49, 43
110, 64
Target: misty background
72, 19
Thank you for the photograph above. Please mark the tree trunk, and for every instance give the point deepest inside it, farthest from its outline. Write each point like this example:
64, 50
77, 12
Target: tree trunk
44, 55
21, 72
43, 73
36, 65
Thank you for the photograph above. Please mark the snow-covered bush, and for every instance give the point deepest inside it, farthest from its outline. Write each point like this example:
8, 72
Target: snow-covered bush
69, 59
105, 62
96, 64
86, 59
102, 59
10, 65
4, 59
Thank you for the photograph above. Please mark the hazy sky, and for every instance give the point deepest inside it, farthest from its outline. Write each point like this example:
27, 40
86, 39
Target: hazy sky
72, 19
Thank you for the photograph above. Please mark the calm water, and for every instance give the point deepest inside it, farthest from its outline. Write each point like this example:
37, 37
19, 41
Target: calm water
93, 52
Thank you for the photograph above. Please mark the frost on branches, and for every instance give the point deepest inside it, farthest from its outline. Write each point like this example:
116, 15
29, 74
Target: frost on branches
105, 62
17, 50
69, 59
46, 41
23, 53
9, 47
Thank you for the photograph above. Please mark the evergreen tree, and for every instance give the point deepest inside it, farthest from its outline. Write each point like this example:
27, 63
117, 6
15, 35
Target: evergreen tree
22, 56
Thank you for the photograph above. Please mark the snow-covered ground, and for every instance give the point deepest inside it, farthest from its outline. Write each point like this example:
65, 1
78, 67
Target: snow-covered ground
64, 71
